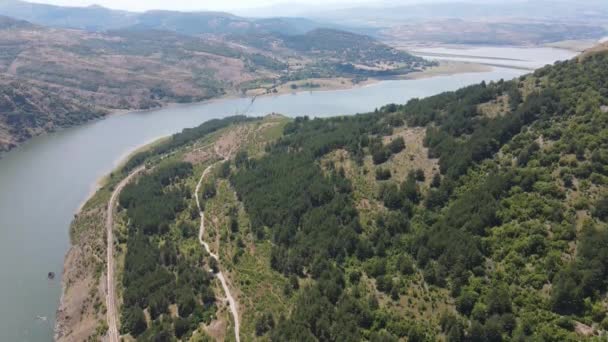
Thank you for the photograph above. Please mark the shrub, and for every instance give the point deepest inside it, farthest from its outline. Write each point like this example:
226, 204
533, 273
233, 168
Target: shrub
396, 145
383, 174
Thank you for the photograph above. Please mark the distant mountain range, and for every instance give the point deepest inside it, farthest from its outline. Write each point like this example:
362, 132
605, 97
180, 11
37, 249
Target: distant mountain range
474, 22
588, 11
97, 18
519, 22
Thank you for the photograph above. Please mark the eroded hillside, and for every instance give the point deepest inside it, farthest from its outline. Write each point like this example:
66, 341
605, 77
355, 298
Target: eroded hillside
52, 78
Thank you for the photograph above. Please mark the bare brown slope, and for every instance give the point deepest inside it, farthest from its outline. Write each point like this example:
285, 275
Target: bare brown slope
603, 47
52, 78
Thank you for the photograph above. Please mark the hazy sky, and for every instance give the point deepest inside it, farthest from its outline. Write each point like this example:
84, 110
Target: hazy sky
189, 5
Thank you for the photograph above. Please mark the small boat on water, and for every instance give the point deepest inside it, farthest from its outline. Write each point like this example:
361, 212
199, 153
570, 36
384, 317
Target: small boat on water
42, 318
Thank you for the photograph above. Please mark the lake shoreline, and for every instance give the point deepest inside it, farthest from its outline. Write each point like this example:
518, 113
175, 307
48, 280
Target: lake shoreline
445, 68
73, 318
118, 164
72, 268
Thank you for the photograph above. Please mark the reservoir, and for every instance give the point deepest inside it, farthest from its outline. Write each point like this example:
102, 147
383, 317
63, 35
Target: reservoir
44, 181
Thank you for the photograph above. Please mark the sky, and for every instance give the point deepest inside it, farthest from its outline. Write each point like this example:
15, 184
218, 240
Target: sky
213, 5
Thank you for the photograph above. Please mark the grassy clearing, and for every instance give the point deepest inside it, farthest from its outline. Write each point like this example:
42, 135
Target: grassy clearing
245, 262
259, 289
415, 155
247, 273
263, 132
496, 107
417, 301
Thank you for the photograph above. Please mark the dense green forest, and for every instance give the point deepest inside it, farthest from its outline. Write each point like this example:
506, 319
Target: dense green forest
514, 226
158, 271
508, 239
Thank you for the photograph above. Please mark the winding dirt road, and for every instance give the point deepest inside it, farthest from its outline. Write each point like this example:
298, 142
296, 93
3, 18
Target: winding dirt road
112, 316
113, 335
220, 275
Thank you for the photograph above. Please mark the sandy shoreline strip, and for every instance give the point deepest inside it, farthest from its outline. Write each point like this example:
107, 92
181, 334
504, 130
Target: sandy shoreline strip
117, 164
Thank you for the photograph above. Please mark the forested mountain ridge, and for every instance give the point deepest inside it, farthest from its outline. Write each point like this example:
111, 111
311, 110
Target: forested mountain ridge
474, 215
506, 239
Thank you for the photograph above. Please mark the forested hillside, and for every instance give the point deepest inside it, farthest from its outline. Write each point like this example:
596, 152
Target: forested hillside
474, 215
508, 239
335, 53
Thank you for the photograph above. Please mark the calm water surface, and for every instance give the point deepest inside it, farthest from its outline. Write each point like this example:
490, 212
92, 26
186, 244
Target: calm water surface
531, 58
44, 181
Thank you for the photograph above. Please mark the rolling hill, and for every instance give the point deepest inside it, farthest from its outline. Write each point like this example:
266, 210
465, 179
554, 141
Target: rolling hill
54, 77
335, 47
474, 215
